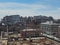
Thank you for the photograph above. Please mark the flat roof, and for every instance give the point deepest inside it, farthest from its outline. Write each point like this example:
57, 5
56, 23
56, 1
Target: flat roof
50, 23
29, 29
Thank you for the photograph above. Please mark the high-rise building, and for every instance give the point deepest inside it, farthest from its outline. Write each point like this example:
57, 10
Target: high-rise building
11, 19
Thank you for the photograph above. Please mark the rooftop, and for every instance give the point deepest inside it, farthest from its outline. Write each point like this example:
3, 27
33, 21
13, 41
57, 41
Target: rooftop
50, 23
30, 29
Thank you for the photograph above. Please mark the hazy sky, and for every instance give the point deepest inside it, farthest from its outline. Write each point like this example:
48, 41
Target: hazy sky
30, 7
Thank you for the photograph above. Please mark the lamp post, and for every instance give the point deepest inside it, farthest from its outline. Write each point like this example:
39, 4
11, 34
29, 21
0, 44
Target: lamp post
7, 28
7, 32
1, 38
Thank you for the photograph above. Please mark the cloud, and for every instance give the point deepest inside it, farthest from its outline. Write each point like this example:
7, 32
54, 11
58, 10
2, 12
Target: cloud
11, 8
11, 5
55, 13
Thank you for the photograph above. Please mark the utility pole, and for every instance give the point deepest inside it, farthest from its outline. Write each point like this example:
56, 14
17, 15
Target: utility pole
7, 35
7, 31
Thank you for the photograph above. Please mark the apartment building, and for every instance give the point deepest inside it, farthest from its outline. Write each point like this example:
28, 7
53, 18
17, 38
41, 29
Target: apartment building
50, 28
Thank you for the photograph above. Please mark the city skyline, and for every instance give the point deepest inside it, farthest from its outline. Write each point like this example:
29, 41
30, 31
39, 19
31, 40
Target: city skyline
30, 8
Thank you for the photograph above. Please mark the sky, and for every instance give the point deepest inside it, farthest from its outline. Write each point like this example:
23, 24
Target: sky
30, 8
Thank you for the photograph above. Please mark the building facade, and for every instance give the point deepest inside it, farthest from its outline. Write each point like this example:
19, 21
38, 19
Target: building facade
11, 19
59, 32
30, 33
50, 28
